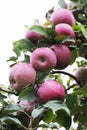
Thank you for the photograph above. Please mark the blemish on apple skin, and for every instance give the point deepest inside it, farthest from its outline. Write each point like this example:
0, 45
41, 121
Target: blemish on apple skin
12, 81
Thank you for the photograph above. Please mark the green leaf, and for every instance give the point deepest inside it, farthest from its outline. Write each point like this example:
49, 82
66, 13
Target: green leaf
77, 28
28, 94
37, 115
22, 45
41, 30
52, 111
37, 112
83, 117
48, 116
41, 77
62, 3
10, 109
26, 58
11, 120
79, 108
80, 92
71, 101
83, 29
61, 111
2, 96
56, 105
63, 119
50, 125
12, 58
74, 54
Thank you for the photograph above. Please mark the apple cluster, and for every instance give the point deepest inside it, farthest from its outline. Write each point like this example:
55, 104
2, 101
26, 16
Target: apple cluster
44, 59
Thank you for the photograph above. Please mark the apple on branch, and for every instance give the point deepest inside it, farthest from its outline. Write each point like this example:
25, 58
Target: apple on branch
63, 55
32, 35
50, 90
62, 16
64, 29
43, 59
21, 75
27, 106
81, 74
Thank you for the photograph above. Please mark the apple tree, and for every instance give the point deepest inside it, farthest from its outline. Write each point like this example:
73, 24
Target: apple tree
48, 73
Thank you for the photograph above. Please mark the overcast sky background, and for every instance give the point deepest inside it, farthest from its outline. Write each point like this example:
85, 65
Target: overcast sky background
14, 14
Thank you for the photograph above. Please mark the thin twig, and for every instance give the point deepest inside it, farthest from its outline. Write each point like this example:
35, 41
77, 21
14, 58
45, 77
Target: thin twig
70, 87
7, 91
66, 73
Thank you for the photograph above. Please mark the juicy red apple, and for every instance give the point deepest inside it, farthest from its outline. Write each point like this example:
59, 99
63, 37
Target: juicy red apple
81, 75
43, 59
64, 29
50, 90
63, 16
32, 35
27, 106
21, 75
63, 55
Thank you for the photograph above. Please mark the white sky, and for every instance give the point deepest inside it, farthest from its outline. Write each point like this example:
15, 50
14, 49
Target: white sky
14, 14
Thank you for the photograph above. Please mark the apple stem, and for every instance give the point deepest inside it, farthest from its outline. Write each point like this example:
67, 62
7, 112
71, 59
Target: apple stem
70, 75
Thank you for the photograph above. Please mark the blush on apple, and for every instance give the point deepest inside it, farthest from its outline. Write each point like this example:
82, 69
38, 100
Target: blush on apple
50, 90
21, 75
43, 59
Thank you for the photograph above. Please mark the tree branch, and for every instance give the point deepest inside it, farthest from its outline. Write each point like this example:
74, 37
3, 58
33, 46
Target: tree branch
70, 87
66, 73
7, 91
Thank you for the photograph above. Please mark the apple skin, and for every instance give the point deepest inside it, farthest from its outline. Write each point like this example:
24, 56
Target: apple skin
43, 59
27, 106
21, 75
62, 16
81, 75
32, 35
63, 55
50, 90
64, 29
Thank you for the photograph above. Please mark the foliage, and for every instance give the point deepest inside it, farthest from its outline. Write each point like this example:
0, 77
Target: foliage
53, 114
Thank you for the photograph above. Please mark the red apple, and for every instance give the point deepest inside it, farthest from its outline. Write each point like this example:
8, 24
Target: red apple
43, 59
32, 35
63, 55
64, 29
62, 16
81, 74
50, 90
21, 75
27, 106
